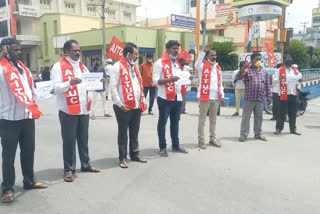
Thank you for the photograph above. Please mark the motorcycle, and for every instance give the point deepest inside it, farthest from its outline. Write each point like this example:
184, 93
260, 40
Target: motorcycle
302, 103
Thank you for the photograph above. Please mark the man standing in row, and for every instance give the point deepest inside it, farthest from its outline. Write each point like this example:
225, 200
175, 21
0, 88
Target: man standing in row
257, 86
129, 102
99, 93
74, 106
210, 93
146, 70
18, 111
238, 87
169, 97
287, 77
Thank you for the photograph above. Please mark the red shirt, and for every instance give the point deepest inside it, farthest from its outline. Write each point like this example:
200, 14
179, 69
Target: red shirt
146, 71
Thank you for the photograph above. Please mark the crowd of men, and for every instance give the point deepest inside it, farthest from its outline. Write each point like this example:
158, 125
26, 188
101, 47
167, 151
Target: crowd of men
128, 88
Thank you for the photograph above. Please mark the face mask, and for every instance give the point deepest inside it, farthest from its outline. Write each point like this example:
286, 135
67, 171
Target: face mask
288, 63
258, 64
172, 56
150, 60
131, 62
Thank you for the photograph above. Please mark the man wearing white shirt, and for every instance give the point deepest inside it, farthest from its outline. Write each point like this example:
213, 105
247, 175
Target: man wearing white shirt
73, 106
18, 110
275, 95
288, 77
127, 94
210, 93
238, 87
169, 99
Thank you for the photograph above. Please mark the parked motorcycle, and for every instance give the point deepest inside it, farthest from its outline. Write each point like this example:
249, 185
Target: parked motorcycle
302, 103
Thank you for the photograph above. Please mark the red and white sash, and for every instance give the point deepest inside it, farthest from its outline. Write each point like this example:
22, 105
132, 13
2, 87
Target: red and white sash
283, 83
17, 88
72, 95
127, 87
206, 81
167, 73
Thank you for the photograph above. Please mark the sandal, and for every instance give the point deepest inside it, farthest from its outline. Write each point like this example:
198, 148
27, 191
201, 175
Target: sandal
36, 185
7, 198
123, 164
68, 177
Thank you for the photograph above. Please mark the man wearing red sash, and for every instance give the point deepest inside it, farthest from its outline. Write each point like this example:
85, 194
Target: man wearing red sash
210, 93
74, 106
126, 89
17, 113
169, 99
288, 77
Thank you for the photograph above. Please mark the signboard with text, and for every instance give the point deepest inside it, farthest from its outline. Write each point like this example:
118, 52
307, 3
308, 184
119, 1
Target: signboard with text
3, 14
238, 3
28, 10
183, 22
226, 14
115, 50
316, 17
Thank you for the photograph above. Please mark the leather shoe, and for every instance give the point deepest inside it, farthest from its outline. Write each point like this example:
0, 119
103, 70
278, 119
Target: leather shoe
139, 159
295, 132
277, 132
163, 153
180, 150
260, 137
202, 146
213, 143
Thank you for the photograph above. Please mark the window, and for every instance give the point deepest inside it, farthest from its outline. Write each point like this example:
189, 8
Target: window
127, 14
45, 4
221, 32
91, 11
70, 7
221, 1
111, 14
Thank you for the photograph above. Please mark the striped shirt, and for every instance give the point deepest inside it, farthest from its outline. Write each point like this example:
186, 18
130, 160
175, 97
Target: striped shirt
60, 87
10, 107
257, 84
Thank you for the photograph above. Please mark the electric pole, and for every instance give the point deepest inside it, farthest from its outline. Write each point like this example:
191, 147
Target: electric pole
204, 22
103, 25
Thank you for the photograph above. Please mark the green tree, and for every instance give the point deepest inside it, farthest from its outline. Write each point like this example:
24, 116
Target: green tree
298, 51
315, 61
227, 58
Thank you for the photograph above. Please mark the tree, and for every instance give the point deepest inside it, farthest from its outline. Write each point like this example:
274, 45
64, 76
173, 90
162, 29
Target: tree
299, 54
315, 61
226, 56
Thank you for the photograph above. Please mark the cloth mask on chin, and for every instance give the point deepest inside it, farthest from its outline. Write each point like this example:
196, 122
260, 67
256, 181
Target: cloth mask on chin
258, 64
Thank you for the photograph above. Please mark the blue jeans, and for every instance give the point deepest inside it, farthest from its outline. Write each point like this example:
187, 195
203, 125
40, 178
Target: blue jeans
166, 109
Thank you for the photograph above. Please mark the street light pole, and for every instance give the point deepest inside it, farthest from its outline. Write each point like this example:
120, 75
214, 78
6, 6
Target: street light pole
104, 50
204, 23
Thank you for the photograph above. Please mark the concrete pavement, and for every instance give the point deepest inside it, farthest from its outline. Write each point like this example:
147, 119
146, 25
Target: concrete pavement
275, 177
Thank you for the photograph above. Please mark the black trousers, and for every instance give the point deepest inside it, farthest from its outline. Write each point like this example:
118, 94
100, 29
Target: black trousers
12, 133
128, 120
290, 107
74, 128
275, 105
152, 94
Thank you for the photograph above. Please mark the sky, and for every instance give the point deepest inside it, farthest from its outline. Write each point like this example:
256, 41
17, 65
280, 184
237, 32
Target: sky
300, 11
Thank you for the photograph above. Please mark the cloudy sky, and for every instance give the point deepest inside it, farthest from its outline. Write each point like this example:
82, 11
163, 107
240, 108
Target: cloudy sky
300, 11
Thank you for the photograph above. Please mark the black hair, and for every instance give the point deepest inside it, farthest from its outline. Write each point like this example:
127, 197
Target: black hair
68, 44
9, 41
149, 55
172, 43
254, 55
212, 49
129, 49
241, 64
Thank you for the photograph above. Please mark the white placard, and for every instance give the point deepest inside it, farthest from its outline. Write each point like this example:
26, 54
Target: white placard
44, 90
92, 81
184, 78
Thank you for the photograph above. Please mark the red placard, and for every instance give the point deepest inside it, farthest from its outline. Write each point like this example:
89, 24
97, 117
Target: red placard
115, 50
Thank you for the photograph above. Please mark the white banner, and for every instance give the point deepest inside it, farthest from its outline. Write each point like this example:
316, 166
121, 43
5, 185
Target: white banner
3, 14
92, 81
44, 90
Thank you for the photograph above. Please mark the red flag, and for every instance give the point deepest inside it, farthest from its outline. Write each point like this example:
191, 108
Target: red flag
273, 59
183, 54
115, 50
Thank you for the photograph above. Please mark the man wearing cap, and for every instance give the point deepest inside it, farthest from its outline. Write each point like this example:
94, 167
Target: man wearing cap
146, 70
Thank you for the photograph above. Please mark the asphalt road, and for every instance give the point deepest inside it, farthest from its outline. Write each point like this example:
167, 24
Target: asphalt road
281, 176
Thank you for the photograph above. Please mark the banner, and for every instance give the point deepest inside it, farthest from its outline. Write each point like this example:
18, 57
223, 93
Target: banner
226, 14
183, 22
115, 50
238, 3
316, 17
44, 90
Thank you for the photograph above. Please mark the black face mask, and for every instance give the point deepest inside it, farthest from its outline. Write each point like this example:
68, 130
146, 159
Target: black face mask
288, 63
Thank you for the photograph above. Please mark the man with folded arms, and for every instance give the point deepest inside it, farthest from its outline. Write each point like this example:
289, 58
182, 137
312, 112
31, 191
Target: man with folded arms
126, 89
169, 99
18, 111
74, 105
